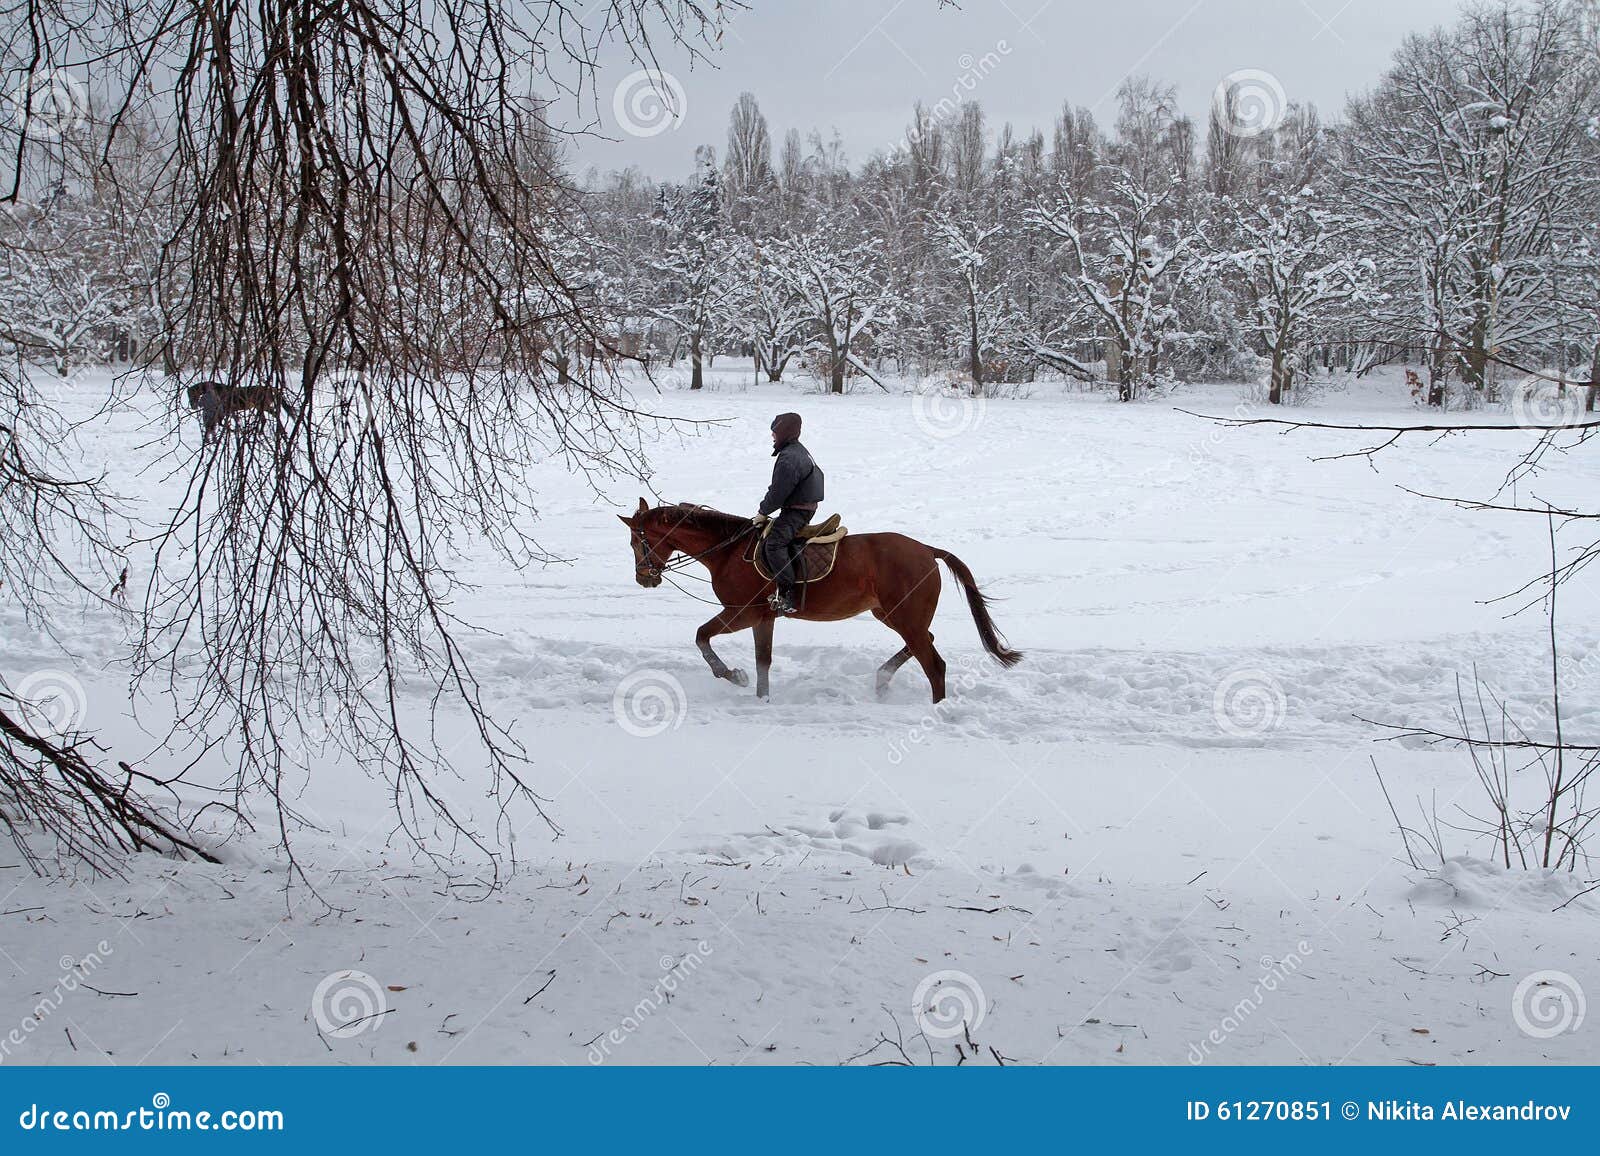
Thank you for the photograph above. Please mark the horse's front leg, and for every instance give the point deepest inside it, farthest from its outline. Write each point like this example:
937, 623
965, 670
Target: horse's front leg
725, 623
763, 633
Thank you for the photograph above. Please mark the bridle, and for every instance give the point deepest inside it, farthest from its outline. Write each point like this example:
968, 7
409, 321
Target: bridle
650, 568
647, 567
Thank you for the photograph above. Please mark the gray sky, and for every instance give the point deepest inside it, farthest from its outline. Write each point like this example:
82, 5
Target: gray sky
857, 65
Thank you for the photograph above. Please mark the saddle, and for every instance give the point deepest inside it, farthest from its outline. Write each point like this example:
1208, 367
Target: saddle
820, 544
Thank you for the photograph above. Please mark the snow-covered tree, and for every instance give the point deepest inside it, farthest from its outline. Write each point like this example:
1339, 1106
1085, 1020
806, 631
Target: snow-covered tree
1290, 253
835, 276
771, 310
1461, 160
988, 318
1124, 253
695, 267
747, 167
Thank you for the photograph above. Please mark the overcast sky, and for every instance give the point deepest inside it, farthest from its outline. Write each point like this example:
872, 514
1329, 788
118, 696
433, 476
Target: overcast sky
857, 65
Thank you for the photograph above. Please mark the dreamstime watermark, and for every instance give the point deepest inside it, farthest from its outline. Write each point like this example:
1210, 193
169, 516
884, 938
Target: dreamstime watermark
347, 1003
74, 974
48, 105
649, 102
1274, 973
53, 699
948, 1005
354, 410
674, 973
648, 703
1547, 1004
973, 70
160, 1116
943, 412
1205, 448
1249, 103
1249, 704
1569, 669
1539, 403
316, 729
972, 670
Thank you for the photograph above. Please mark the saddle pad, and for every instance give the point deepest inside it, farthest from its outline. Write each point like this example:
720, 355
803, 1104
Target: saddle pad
816, 559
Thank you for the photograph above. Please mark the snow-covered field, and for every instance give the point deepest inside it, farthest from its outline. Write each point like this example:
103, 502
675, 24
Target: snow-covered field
1159, 840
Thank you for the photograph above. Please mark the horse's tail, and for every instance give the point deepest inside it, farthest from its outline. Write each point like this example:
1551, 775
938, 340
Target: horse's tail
993, 641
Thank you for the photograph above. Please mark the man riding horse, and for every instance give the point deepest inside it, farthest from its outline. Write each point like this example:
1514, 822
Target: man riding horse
890, 576
794, 496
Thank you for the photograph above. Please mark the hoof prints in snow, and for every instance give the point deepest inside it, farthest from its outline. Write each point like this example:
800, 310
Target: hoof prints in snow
846, 835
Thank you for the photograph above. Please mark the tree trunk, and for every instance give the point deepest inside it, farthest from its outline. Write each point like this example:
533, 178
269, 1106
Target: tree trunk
1436, 364
696, 376
974, 360
1592, 394
1475, 371
1280, 376
1127, 364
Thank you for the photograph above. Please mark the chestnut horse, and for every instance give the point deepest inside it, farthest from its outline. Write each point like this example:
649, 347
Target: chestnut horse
893, 576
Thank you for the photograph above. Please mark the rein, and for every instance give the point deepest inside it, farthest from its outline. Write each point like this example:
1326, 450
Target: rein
685, 559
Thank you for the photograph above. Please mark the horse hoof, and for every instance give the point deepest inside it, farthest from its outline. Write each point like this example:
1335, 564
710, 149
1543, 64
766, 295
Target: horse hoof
738, 678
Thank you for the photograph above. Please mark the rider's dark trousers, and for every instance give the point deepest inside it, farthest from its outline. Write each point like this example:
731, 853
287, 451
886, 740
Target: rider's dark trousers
780, 549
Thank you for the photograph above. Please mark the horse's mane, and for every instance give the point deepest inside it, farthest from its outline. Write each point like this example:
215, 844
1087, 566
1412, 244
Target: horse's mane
702, 518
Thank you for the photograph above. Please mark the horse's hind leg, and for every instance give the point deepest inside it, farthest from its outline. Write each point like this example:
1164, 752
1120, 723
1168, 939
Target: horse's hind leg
932, 662
725, 623
909, 618
919, 645
887, 670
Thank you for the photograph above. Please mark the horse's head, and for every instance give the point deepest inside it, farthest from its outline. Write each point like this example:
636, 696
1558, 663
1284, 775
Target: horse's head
650, 551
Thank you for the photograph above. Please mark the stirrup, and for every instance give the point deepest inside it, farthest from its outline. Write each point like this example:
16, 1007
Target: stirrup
781, 604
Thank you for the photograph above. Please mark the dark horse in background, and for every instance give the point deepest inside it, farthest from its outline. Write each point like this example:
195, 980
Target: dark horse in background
218, 401
891, 575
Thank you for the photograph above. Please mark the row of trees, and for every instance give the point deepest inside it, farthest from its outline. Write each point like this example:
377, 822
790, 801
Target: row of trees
369, 212
1449, 218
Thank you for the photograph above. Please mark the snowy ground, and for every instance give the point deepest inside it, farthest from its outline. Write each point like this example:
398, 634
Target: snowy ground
1159, 840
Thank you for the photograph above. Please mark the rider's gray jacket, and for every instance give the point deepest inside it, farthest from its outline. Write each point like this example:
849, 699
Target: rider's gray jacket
796, 480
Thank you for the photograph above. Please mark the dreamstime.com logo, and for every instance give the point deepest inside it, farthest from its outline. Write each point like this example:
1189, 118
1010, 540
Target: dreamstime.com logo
971, 671
1538, 403
944, 413
974, 70
674, 973
1547, 1004
1249, 704
347, 1003
53, 699
74, 974
649, 102
648, 703
948, 1005
1249, 102
48, 105
357, 400
1274, 974
160, 1116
